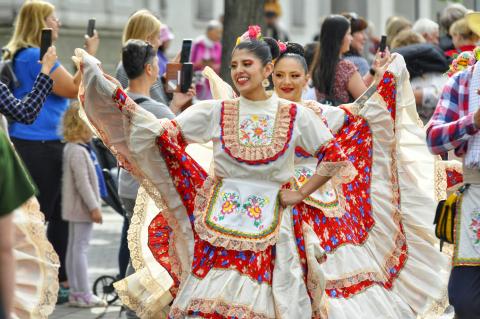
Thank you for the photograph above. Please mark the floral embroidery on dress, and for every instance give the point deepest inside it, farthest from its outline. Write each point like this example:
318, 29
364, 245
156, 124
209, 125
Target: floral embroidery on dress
256, 130
474, 227
254, 206
231, 202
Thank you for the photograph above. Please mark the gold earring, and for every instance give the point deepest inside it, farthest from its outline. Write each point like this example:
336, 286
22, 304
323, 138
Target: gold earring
265, 83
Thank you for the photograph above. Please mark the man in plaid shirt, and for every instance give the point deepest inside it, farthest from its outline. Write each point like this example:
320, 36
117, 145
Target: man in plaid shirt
26, 110
451, 125
450, 128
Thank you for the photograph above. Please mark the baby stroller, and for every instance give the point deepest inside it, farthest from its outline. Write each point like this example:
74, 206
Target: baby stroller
103, 285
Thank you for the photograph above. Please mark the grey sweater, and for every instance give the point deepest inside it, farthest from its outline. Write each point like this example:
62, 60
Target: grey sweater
80, 192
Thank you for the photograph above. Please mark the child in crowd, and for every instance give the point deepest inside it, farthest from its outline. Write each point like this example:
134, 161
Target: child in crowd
82, 186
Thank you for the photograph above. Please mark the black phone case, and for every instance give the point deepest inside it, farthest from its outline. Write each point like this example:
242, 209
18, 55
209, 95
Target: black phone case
186, 49
186, 78
46, 42
90, 27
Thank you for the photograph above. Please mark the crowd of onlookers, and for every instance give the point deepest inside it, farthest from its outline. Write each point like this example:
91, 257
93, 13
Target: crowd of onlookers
48, 134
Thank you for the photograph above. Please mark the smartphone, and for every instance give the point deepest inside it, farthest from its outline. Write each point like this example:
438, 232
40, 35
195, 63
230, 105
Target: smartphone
45, 42
186, 77
383, 43
185, 53
90, 27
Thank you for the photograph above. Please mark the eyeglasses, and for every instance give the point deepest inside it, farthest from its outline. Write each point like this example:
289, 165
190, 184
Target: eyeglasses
148, 50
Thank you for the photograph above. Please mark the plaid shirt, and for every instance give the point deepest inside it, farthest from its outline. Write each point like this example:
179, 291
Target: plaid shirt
452, 125
25, 111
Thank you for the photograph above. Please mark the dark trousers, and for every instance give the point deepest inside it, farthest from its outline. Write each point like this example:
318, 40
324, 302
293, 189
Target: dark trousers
124, 252
464, 291
43, 160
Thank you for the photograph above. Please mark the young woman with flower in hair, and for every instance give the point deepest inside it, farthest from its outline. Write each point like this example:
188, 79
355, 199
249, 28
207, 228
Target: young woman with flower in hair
352, 222
226, 242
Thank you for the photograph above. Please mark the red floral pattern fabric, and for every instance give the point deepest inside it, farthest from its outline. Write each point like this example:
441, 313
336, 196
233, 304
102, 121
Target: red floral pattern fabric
355, 139
454, 177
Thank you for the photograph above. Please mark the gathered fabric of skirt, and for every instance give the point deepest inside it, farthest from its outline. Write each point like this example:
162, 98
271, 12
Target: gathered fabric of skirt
388, 267
36, 269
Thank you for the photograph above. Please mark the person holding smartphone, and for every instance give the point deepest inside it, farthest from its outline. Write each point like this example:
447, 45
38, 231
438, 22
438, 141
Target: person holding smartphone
337, 80
40, 144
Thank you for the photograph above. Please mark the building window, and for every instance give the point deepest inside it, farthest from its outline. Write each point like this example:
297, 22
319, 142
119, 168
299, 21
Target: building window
298, 13
204, 10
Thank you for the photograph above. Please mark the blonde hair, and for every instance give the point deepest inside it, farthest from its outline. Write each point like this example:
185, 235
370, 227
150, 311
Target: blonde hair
28, 26
73, 127
406, 37
396, 24
141, 26
461, 28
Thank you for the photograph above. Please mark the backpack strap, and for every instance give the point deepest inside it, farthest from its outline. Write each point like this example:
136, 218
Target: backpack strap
140, 100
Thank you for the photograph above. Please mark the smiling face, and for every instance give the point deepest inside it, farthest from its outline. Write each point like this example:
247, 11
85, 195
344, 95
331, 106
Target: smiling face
289, 79
247, 72
358, 41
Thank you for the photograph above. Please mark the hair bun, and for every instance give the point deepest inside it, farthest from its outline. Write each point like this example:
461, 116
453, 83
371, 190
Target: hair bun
274, 49
295, 48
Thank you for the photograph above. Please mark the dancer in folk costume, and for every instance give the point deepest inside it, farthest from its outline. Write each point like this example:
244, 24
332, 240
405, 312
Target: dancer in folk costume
36, 263
222, 246
236, 235
351, 222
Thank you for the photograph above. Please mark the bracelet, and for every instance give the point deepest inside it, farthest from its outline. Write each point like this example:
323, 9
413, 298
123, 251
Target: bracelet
372, 72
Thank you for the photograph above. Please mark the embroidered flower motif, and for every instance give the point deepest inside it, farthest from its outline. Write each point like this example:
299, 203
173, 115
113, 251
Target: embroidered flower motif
474, 227
230, 204
254, 206
256, 130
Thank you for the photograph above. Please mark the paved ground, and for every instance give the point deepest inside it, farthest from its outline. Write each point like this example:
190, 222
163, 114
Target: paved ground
103, 261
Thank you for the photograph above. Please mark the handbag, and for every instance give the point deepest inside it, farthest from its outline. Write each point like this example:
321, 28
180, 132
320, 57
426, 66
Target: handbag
445, 216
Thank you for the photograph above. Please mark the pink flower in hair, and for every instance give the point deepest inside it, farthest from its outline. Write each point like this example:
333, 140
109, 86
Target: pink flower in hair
282, 46
254, 32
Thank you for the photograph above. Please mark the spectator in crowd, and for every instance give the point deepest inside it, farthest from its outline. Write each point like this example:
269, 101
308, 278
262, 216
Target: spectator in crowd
142, 74
15, 189
143, 25
207, 51
394, 25
463, 38
82, 186
406, 37
166, 37
450, 14
272, 12
427, 65
26, 110
428, 29
358, 26
335, 79
39, 144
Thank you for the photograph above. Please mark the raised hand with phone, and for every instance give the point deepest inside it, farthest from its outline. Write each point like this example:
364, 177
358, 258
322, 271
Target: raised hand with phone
92, 41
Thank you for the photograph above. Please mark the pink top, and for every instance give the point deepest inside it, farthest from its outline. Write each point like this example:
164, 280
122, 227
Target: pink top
345, 70
202, 50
